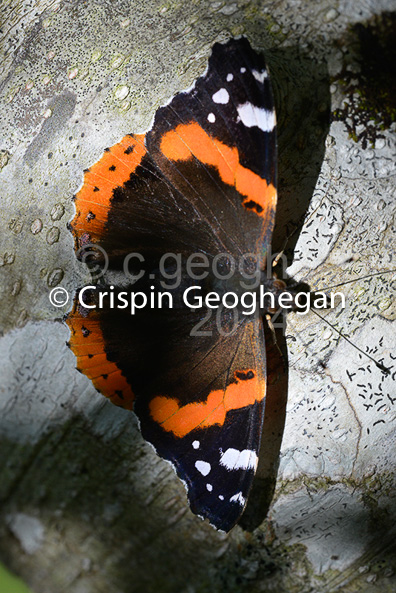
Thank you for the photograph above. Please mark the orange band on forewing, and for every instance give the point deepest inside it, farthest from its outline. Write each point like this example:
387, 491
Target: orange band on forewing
181, 420
189, 140
87, 343
113, 170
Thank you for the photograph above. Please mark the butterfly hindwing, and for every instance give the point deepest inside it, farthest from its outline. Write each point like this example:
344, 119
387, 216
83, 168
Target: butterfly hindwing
200, 399
202, 180
213, 441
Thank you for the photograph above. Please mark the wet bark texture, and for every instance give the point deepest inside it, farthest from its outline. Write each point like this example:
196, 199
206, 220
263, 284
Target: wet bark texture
86, 505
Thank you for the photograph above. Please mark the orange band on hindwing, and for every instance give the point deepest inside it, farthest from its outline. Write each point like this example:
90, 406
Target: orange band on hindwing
93, 201
180, 420
189, 140
88, 345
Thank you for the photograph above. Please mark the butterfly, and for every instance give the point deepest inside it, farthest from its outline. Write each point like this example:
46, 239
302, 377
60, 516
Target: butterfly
198, 188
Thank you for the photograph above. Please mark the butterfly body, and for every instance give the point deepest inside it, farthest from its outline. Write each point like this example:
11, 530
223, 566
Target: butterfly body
190, 206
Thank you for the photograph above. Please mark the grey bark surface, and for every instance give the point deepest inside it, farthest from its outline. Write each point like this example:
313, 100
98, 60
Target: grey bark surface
86, 505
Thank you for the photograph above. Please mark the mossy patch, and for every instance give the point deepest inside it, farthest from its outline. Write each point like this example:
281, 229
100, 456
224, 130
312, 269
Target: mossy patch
368, 78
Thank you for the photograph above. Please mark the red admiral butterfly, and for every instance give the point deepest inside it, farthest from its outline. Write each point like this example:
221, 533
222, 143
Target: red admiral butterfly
202, 180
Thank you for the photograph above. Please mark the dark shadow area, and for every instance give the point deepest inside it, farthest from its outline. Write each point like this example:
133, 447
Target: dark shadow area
91, 494
302, 98
92, 490
99, 501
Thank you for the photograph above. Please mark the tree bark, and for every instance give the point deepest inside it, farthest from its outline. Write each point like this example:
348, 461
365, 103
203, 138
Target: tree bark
87, 506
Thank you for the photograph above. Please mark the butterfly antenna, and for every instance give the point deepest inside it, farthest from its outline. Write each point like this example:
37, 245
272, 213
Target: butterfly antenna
300, 338
355, 280
379, 365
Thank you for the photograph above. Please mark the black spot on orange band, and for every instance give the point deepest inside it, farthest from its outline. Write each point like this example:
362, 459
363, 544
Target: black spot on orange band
115, 167
87, 344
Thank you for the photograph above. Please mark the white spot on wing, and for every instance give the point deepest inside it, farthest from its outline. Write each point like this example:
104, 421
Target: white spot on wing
234, 459
251, 116
221, 497
221, 96
211, 118
230, 77
238, 497
196, 444
260, 76
243, 69
203, 467
209, 487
